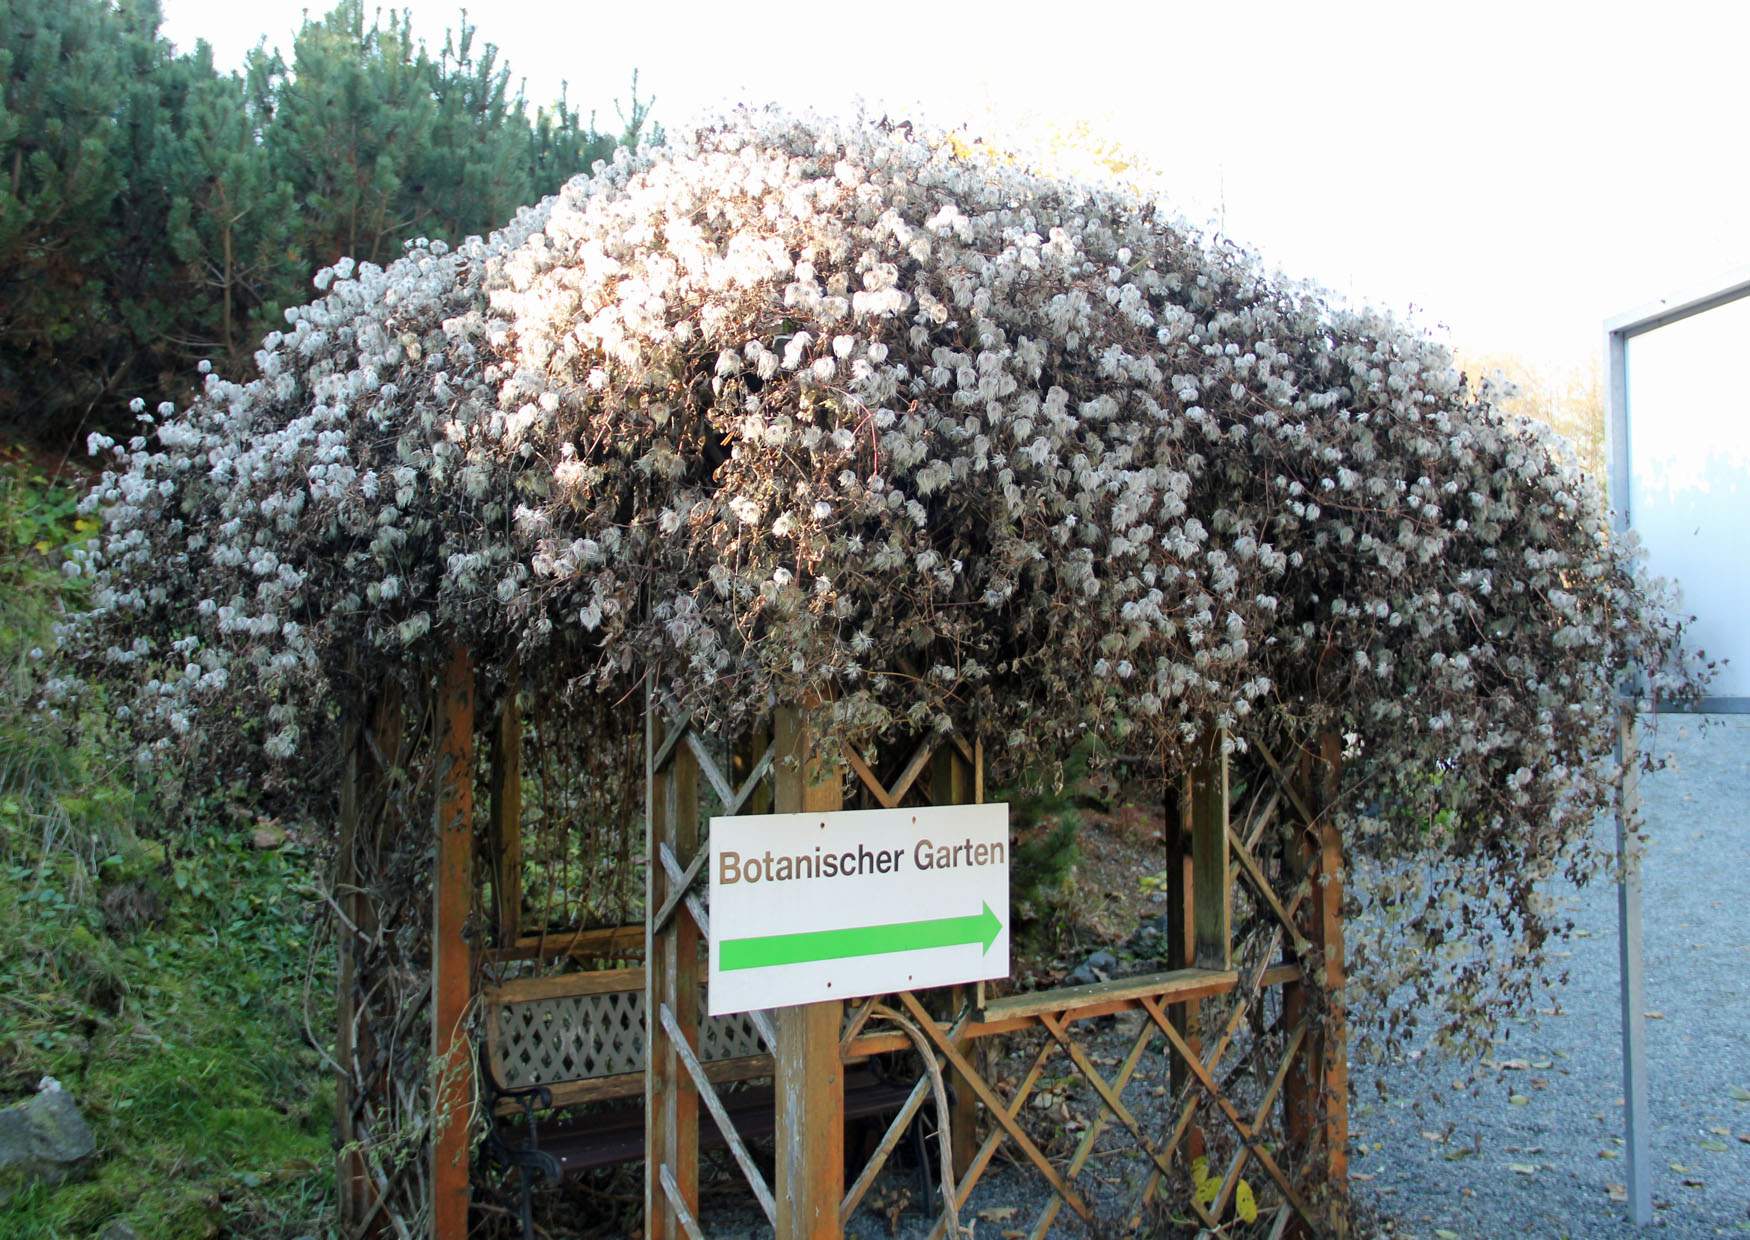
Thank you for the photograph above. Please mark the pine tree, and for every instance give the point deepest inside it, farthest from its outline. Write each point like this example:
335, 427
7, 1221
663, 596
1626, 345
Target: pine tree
64, 166
231, 219
155, 212
354, 116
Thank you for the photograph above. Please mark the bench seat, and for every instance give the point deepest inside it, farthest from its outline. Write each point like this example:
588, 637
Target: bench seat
557, 1046
607, 1138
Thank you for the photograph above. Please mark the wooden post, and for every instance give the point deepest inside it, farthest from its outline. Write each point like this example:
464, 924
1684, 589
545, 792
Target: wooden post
366, 820
1211, 865
1182, 940
507, 816
952, 784
1333, 1039
1316, 1093
671, 979
809, 1077
350, 1176
451, 965
746, 758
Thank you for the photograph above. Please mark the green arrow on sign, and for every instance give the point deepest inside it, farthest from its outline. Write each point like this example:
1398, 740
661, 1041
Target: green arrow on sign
765, 950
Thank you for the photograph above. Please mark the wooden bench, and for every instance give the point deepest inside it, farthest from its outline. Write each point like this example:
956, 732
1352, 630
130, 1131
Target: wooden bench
557, 1043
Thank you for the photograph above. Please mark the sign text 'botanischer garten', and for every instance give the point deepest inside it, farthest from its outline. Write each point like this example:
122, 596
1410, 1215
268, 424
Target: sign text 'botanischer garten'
806, 907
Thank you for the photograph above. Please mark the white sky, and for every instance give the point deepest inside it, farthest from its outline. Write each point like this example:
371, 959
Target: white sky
1517, 171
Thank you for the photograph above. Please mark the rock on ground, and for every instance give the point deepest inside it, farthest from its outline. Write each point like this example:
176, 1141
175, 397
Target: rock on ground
43, 1139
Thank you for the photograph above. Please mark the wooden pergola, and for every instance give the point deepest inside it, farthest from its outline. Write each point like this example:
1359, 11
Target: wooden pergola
1247, 1009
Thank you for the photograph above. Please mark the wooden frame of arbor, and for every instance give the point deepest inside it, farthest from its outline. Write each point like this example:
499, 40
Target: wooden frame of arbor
1268, 993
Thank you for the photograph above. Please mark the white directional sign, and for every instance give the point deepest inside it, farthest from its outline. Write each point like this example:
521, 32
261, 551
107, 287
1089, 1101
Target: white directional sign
806, 907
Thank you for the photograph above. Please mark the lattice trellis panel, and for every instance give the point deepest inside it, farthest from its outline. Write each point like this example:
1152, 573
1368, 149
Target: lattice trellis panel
1254, 1092
581, 1037
1247, 1025
573, 1037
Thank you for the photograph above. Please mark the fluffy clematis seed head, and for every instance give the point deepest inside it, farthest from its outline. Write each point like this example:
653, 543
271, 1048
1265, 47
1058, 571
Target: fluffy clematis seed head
797, 409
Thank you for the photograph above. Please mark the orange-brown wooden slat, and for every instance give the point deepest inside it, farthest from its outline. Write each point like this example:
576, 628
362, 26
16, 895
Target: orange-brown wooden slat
452, 969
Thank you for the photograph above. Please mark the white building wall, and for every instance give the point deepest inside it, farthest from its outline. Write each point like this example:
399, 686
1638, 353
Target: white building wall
1689, 474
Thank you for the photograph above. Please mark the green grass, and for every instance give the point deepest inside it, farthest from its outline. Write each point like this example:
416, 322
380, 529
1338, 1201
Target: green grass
160, 977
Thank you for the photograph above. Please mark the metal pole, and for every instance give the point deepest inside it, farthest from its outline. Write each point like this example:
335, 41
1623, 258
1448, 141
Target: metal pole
1628, 851
1634, 994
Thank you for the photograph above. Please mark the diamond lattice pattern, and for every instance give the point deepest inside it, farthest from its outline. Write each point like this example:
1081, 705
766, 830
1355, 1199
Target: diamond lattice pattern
580, 1037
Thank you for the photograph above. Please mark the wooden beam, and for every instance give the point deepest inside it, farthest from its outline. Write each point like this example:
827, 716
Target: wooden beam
1211, 865
583, 946
352, 1179
1315, 1098
378, 756
952, 782
507, 814
1030, 1008
1182, 936
810, 1078
452, 970
1331, 1036
671, 1100
659, 1219
564, 986
748, 762
631, 1084
680, 992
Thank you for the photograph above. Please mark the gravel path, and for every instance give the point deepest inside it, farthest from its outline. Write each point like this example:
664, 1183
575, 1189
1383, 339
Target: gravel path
1697, 928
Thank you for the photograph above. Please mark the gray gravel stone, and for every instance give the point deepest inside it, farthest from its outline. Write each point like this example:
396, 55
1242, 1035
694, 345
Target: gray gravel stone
1697, 932
1096, 968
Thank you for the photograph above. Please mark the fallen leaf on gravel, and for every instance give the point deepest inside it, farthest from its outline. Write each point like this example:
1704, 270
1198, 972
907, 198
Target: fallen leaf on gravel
1245, 1204
1441, 1233
1679, 1168
1507, 1065
1714, 1147
998, 1214
1744, 1137
1720, 1132
1523, 1168
1654, 1015
1609, 1154
1740, 1094
1432, 1136
1689, 1182
1363, 1176
1542, 1064
1616, 1192
1538, 1082
1518, 1100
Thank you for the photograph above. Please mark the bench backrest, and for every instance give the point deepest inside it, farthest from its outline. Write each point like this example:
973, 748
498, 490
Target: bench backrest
583, 1036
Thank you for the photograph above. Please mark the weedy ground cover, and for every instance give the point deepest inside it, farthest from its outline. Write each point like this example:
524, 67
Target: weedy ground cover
161, 981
